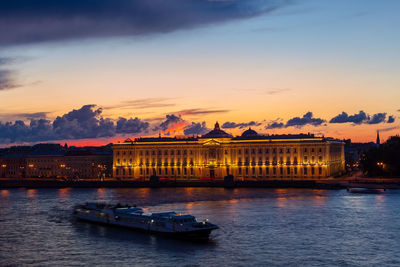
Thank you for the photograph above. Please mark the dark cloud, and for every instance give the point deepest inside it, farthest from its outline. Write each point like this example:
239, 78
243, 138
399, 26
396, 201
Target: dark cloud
84, 123
377, 118
170, 121
131, 126
230, 125
196, 128
359, 118
275, 125
391, 119
200, 111
29, 116
142, 103
7, 75
27, 21
362, 117
7, 80
307, 119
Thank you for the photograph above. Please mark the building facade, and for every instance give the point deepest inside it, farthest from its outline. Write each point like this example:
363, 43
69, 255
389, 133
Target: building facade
218, 154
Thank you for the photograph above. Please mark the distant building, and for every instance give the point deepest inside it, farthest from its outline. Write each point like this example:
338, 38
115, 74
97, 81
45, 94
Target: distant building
55, 161
217, 154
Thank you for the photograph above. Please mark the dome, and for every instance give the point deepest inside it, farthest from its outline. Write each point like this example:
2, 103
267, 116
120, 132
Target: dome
249, 133
217, 133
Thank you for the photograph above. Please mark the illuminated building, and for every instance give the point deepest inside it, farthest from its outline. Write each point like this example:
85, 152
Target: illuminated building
217, 154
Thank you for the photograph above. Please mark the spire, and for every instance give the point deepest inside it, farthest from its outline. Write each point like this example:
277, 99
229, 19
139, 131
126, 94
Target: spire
216, 127
378, 140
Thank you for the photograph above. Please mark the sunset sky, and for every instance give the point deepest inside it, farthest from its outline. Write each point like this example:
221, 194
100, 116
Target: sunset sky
93, 72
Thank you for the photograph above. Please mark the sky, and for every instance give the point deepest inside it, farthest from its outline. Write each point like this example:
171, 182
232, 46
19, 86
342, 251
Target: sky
90, 72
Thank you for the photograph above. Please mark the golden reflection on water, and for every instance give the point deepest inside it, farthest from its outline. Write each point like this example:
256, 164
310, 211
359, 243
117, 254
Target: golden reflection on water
101, 192
31, 193
63, 193
5, 193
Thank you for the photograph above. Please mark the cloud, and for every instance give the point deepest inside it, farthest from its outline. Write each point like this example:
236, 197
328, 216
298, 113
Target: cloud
200, 111
144, 103
377, 118
170, 121
7, 76
131, 126
27, 21
305, 120
196, 128
28, 115
231, 125
356, 118
7, 80
362, 117
298, 122
275, 125
84, 123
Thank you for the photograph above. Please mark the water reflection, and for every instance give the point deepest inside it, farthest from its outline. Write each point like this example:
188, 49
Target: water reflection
63, 193
31, 193
5, 193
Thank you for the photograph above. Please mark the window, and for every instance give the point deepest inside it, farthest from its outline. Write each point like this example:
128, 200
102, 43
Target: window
305, 158
320, 171
179, 171
274, 151
288, 171
117, 172
240, 171
191, 171
305, 150
153, 152
253, 151
267, 150
259, 151
185, 171
305, 170
246, 151
247, 171
294, 150
281, 150
165, 152
267, 170
320, 158
123, 172
130, 171
312, 150
288, 150
117, 153
320, 149
159, 171
253, 171
226, 152
178, 152
166, 171
260, 171
239, 151
295, 171
281, 170
274, 170
147, 152
312, 159
312, 171
172, 153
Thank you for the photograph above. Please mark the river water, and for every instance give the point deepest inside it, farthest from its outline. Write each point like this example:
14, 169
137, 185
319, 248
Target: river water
258, 227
